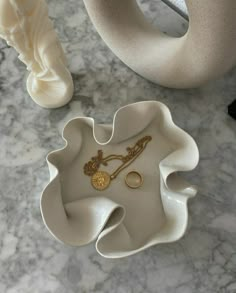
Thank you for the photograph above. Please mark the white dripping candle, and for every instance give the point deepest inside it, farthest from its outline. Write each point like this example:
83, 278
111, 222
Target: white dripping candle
25, 25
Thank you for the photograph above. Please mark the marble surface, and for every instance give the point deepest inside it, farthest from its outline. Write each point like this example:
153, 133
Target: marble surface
179, 6
204, 261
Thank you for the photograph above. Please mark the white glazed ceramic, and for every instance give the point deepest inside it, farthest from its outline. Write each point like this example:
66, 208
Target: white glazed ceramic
26, 27
121, 220
205, 52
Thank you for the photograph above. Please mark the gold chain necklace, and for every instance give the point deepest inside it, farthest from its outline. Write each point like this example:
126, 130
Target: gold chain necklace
101, 179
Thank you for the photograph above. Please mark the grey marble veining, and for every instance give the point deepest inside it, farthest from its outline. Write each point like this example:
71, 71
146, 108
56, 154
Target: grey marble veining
31, 261
179, 6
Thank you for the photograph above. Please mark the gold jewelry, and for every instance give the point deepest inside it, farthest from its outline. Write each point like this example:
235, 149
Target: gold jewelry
100, 179
134, 179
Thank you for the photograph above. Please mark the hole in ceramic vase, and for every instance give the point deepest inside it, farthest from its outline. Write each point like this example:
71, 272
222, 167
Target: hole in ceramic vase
163, 17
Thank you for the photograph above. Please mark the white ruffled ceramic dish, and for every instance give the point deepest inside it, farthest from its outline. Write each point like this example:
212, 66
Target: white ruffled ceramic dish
121, 220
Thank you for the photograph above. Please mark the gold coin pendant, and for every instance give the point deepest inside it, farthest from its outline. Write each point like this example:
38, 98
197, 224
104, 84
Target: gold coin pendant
101, 180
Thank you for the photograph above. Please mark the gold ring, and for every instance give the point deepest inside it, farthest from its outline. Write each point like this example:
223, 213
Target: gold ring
134, 179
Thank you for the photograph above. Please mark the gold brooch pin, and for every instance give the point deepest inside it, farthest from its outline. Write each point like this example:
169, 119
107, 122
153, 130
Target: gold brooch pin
100, 179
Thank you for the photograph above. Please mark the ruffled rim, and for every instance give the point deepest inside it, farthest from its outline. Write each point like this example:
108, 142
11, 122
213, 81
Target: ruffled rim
174, 191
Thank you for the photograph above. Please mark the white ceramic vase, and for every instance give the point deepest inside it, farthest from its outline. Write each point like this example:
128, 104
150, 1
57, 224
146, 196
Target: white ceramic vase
205, 52
121, 220
26, 27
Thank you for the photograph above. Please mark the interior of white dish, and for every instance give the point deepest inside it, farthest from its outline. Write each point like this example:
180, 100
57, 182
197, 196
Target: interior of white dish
124, 220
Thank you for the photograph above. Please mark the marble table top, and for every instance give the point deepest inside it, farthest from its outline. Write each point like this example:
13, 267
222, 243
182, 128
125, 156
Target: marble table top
204, 261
